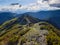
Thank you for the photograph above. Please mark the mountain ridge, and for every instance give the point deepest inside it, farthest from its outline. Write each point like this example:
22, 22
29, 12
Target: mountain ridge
39, 33
50, 16
5, 16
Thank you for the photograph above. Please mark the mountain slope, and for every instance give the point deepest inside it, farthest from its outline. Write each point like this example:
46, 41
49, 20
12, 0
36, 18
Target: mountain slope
39, 33
23, 20
26, 19
50, 16
5, 16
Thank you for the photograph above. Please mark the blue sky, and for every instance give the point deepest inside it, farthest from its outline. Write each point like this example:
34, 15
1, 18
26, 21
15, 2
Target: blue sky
7, 2
22, 2
28, 5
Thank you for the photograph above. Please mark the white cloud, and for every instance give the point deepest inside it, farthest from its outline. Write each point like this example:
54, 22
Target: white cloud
54, 1
39, 5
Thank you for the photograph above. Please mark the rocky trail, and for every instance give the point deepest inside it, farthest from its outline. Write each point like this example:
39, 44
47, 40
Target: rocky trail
34, 37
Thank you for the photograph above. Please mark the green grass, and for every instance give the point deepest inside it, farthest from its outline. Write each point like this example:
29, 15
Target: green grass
18, 32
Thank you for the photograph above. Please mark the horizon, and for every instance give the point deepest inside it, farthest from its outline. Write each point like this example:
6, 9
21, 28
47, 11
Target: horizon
29, 22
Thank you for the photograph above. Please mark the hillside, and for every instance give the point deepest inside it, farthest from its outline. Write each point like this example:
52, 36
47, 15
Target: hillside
52, 16
30, 33
5, 16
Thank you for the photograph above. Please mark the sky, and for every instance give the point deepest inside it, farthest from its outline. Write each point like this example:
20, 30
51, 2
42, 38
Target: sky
23, 2
29, 5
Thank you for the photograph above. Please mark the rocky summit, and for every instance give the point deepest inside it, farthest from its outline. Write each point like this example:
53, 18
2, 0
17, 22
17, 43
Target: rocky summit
28, 30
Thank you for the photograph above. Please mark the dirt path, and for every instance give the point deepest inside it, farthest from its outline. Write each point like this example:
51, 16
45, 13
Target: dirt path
35, 37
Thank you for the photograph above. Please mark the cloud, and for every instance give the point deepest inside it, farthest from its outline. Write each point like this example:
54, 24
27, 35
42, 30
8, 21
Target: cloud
54, 3
37, 6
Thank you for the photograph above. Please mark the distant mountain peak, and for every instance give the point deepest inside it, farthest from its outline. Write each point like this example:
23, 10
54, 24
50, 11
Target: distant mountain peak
26, 19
